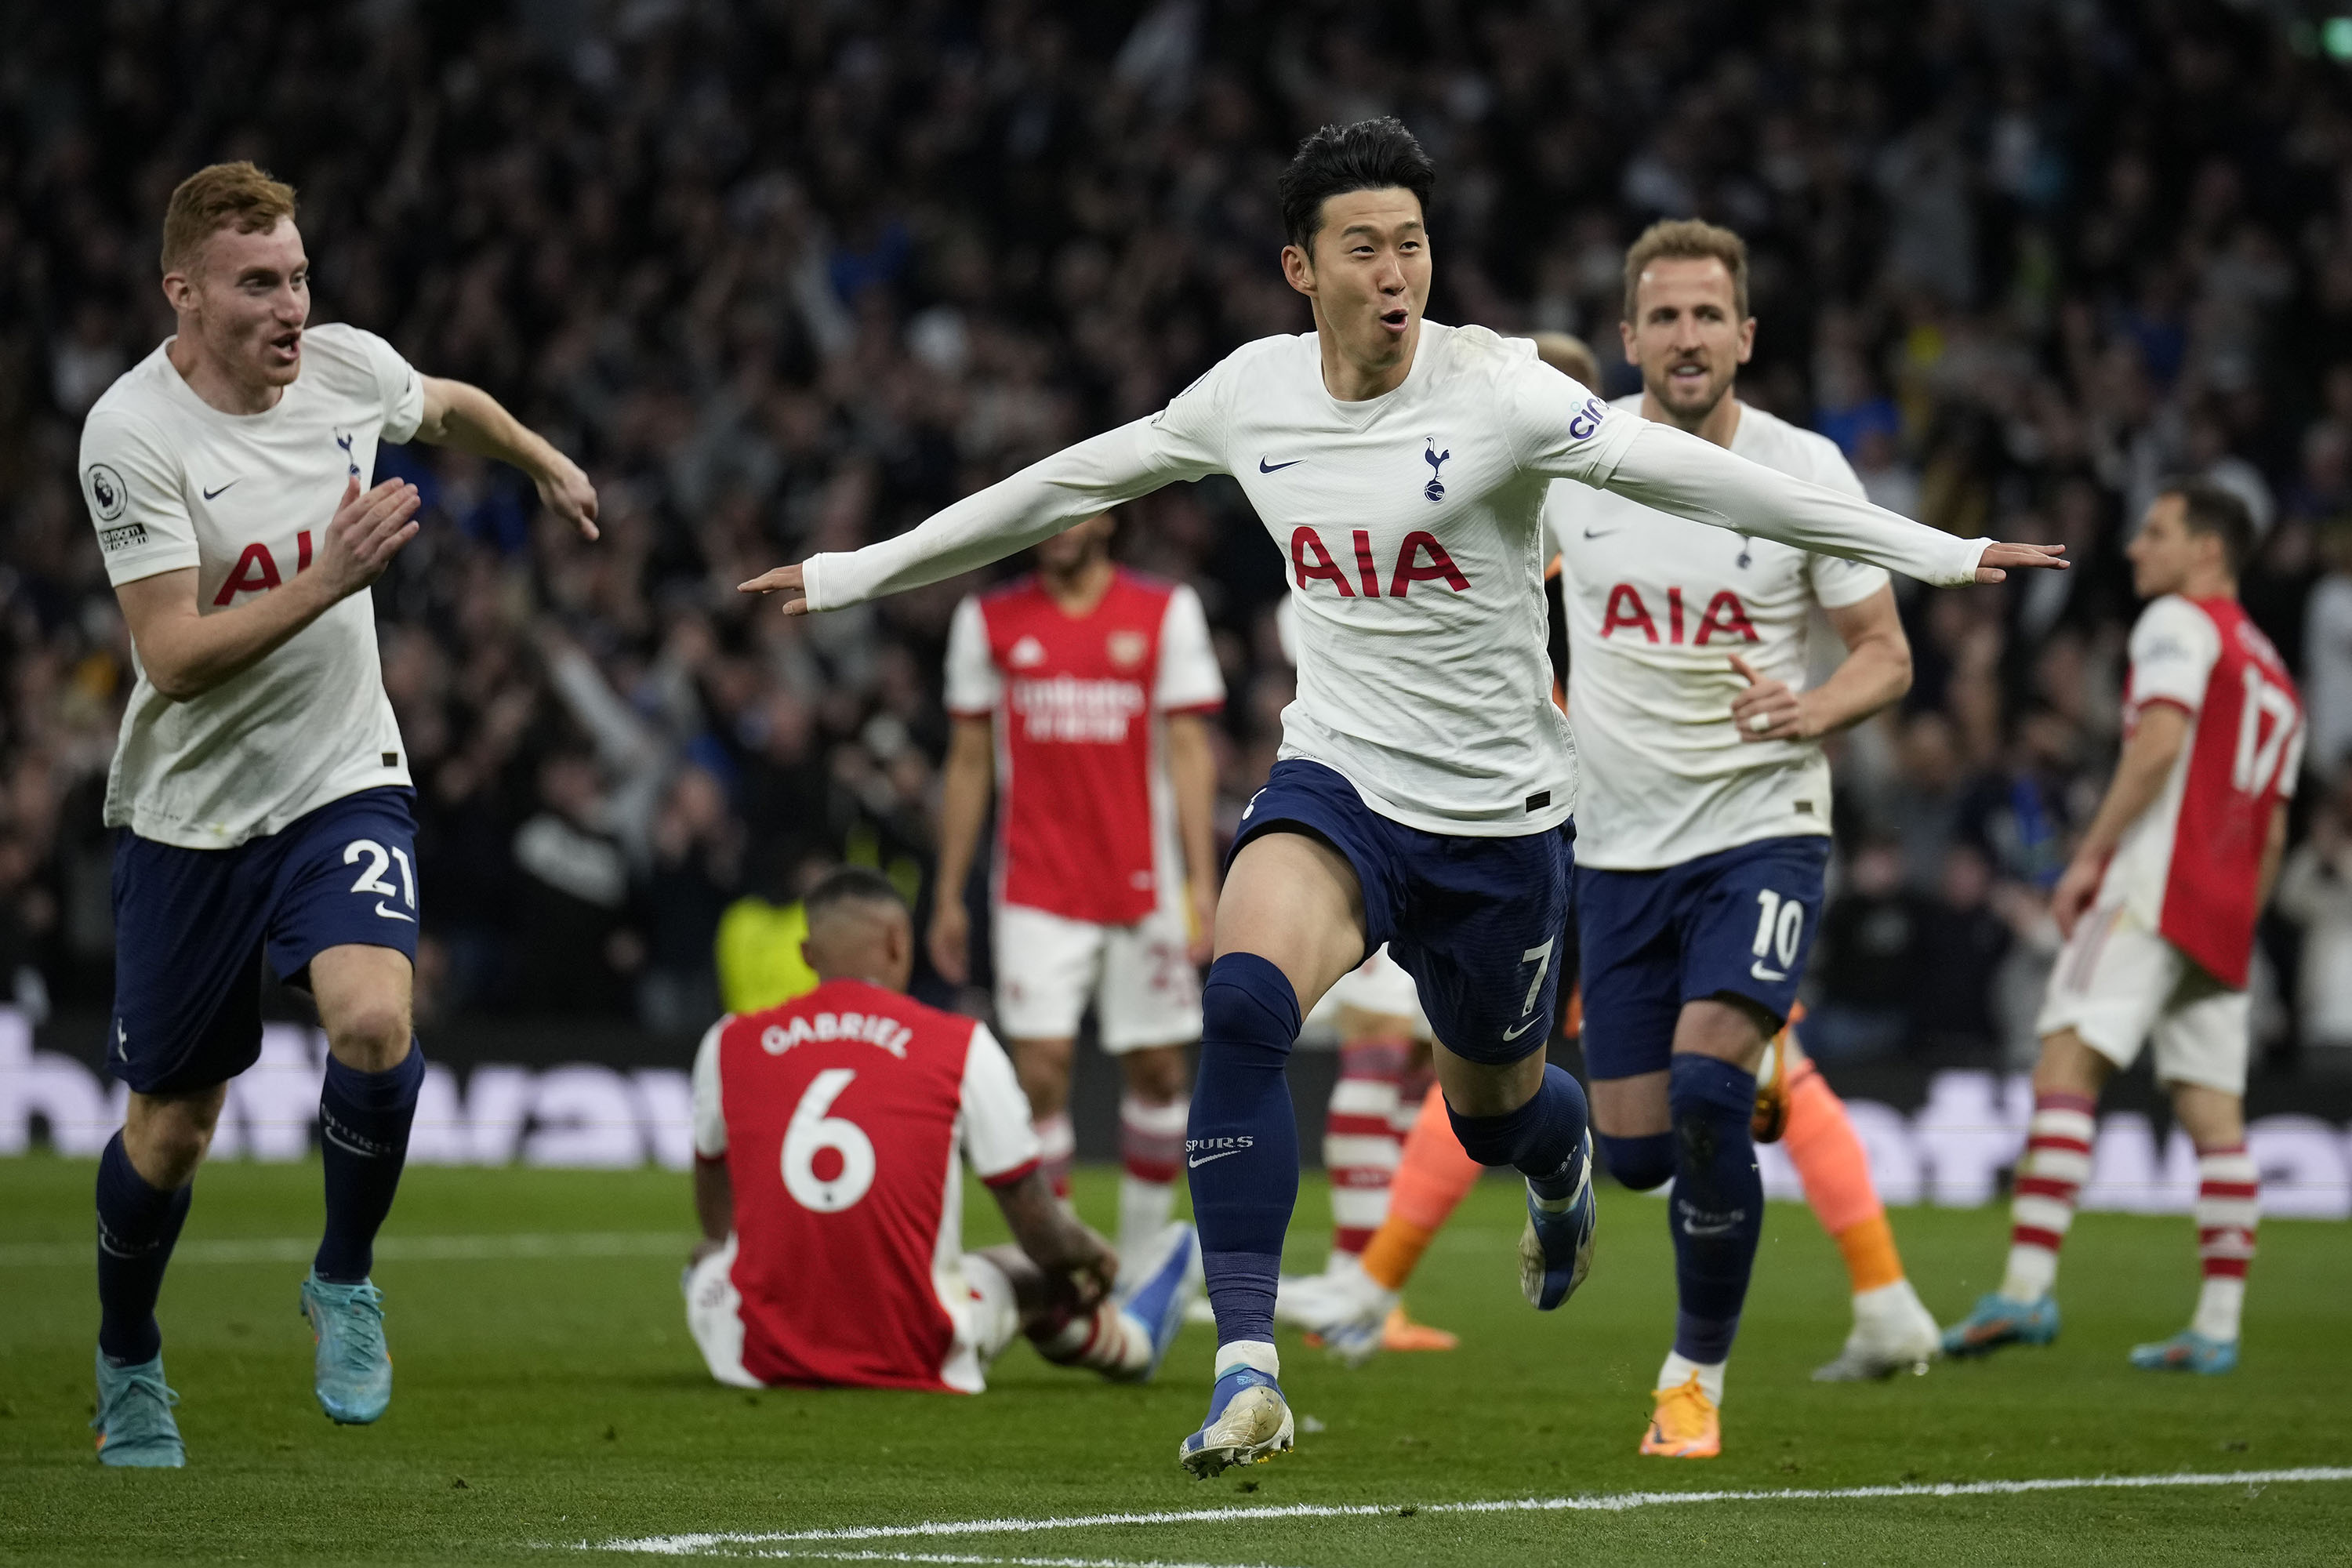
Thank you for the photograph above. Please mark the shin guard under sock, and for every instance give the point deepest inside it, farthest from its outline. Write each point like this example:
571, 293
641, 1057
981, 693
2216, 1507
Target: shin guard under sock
1240, 1150
363, 1121
136, 1228
1717, 1215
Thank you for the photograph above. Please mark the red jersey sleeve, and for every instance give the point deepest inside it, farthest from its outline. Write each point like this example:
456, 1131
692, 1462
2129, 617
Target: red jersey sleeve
999, 1143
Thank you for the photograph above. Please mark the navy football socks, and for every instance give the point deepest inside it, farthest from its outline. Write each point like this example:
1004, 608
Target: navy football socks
1241, 1148
364, 1121
1717, 1215
1542, 1140
1639, 1163
136, 1228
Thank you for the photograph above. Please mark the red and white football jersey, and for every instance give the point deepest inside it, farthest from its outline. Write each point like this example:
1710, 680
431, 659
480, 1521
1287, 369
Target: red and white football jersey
842, 1116
2190, 867
1085, 816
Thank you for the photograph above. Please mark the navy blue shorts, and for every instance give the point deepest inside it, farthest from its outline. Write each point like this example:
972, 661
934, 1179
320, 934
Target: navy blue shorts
1477, 922
191, 927
1739, 920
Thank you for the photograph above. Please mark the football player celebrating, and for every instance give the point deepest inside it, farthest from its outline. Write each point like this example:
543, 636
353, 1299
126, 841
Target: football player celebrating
259, 776
2158, 907
1680, 813
829, 1138
1083, 694
1703, 831
1422, 794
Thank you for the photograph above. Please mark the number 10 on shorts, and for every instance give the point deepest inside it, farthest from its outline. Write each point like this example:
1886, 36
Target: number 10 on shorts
1779, 924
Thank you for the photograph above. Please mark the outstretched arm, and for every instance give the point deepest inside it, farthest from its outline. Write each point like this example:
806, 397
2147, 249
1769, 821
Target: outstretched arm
1663, 468
1041, 500
471, 420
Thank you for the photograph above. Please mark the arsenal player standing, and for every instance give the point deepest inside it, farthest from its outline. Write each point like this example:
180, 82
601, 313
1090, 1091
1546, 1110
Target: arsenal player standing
1082, 694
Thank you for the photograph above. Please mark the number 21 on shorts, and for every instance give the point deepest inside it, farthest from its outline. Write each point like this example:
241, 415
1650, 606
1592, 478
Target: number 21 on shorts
1779, 924
379, 860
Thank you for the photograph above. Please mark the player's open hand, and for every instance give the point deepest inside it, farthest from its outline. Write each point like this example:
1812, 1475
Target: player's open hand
1768, 709
784, 580
950, 940
1999, 560
564, 490
367, 531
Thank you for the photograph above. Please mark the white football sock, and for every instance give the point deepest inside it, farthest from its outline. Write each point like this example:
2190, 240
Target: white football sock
1680, 1369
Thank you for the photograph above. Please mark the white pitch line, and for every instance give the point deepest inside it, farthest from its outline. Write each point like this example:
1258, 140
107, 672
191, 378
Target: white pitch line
394, 1248
1602, 1502
821, 1555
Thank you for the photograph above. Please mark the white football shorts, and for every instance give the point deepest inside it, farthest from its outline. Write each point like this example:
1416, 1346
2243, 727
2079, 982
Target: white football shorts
985, 1321
2118, 984
1144, 989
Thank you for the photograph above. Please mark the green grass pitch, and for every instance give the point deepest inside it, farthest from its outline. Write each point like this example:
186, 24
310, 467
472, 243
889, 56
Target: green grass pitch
548, 1398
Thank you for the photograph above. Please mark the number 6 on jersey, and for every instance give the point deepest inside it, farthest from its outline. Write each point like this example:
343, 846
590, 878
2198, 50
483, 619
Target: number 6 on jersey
812, 1131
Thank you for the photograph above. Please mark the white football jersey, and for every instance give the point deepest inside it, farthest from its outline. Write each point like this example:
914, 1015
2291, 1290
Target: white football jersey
1657, 606
172, 482
1410, 526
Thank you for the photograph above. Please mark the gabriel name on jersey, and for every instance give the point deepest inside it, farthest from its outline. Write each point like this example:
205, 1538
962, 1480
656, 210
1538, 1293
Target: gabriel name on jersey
1657, 606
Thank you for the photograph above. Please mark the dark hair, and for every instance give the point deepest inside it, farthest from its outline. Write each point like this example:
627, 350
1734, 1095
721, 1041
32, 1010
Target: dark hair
850, 885
2209, 508
1370, 156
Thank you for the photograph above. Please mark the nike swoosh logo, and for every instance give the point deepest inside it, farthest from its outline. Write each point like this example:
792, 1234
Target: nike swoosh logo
395, 915
1266, 468
1523, 1028
1197, 1161
1603, 534
1758, 970
223, 490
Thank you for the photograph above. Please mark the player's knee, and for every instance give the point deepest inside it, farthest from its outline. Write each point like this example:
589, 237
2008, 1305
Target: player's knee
1249, 1002
165, 1148
1710, 1102
372, 1037
1640, 1163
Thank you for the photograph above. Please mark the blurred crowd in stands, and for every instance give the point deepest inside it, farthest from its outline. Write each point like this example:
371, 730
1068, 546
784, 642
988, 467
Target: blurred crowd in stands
788, 276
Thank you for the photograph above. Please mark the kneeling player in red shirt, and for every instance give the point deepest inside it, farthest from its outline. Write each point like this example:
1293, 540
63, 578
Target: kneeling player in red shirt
828, 1134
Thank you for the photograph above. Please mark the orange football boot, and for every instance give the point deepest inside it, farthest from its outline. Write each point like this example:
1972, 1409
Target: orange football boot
1686, 1425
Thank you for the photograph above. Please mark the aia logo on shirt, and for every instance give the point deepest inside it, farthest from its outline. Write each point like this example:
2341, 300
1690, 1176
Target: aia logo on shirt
1725, 618
257, 570
1419, 559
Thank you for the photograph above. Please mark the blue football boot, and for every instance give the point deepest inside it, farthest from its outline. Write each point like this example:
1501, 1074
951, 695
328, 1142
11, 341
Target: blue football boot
1159, 1297
2188, 1351
1555, 1247
1248, 1421
353, 1371
134, 1424
1996, 1321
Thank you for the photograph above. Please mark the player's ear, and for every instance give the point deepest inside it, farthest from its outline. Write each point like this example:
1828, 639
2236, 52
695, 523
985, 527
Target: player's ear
1298, 269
